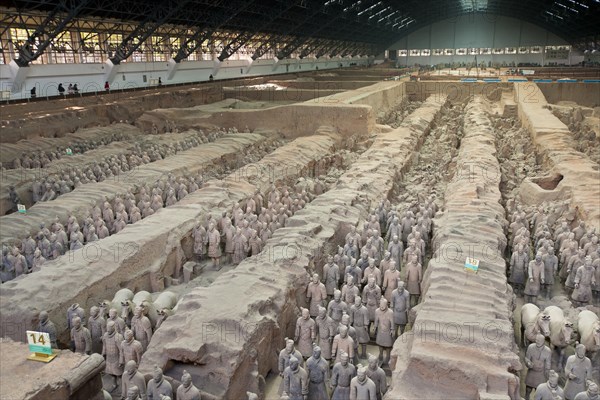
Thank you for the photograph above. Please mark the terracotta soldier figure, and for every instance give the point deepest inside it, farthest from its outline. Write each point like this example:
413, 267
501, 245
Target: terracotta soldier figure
97, 326
536, 279
361, 386
359, 319
537, 360
384, 326
331, 276
111, 350
549, 390
342, 343
240, 246
414, 276
141, 327
370, 298
396, 249
341, 377
295, 381
38, 261
305, 333
550, 270
377, 375
336, 307
120, 325
187, 390
158, 386
48, 327
132, 377
213, 238
318, 374
352, 333
592, 392
349, 290
578, 370
81, 338
584, 280
372, 270
390, 281
284, 359
518, 268
316, 295
131, 349
400, 307
325, 332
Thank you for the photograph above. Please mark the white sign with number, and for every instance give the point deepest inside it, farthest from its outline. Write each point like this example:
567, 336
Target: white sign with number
39, 342
69, 152
21, 208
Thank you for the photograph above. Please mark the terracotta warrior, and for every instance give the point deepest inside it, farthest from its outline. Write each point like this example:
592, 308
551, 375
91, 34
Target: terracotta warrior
131, 349
341, 377
592, 392
361, 386
352, 333
342, 343
578, 370
549, 390
518, 268
72, 312
536, 279
213, 238
377, 375
286, 354
370, 297
132, 377
120, 325
97, 326
384, 327
111, 350
396, 249
331, 276
316, 295
81, 338
295, 381
325, 332
48, 327
550, 270
349, 290
372, 271
400, 307
414, 276
537, 360
158, 386
390, 281
141, 327
318, 375
240, 247
336, 307
305, 333
359, 319
584, 280
199, 235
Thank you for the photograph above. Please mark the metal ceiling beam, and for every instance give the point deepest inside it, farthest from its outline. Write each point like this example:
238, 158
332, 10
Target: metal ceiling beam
194, 42
243, 38
54, 24
158, 15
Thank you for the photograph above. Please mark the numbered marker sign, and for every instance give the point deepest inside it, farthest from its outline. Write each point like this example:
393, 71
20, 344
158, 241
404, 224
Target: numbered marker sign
471, 264
69, 152
39, 342
21, 208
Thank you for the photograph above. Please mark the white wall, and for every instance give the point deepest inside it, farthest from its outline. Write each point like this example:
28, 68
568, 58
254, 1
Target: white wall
480, 31
91, 77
